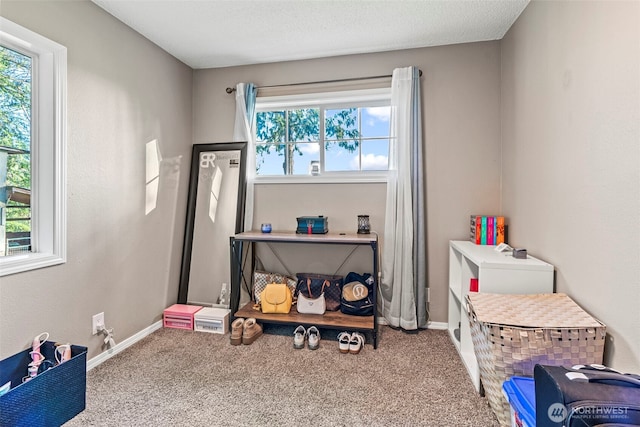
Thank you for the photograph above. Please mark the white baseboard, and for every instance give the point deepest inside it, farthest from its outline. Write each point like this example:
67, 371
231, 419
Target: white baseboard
438, 325
108, 354
430, 325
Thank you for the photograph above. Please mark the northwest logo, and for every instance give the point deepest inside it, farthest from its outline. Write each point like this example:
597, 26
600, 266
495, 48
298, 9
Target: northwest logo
557, 412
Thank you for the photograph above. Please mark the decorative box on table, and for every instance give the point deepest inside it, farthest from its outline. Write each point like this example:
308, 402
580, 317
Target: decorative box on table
51, 398
180, 316
312, 225
211, 319
513, 333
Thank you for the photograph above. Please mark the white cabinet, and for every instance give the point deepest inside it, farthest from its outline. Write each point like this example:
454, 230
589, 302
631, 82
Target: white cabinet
496, 272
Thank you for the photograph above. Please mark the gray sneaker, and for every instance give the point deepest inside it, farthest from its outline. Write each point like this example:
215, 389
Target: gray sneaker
313, 335
298, 337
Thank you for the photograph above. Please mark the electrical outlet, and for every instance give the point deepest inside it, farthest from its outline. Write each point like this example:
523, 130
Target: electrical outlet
98, 319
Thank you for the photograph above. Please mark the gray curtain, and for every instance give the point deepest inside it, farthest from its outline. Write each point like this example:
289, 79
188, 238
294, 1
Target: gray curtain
243, 131
418, 192
403, 284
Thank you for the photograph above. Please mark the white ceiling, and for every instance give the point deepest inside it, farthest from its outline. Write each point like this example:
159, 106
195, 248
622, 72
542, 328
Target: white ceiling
222, 33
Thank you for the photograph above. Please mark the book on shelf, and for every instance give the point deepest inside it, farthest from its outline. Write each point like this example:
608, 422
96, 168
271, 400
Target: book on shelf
475, 228
500, 230
487, 229
483, 231
490, 230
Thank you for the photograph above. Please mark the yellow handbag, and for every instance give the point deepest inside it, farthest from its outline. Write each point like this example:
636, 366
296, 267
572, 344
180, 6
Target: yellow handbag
276, 298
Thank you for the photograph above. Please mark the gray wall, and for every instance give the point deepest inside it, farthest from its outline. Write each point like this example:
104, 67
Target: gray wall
461, 120
123, 92
571, 155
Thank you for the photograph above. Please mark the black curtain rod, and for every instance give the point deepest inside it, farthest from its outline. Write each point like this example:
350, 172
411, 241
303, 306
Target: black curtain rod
232, 89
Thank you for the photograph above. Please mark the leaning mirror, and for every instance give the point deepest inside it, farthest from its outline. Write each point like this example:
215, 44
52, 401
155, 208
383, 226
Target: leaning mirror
215, 212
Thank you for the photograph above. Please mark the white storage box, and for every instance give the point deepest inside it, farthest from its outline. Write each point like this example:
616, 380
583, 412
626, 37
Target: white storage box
214, 320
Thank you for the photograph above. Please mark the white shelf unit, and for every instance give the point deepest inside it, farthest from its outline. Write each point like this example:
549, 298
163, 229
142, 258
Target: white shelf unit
498, 273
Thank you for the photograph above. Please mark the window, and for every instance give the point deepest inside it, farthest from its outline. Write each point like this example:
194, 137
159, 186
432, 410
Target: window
32, 150
337, 135
15, 146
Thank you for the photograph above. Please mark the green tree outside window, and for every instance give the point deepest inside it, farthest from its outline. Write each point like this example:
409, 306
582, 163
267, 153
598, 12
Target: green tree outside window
15, 128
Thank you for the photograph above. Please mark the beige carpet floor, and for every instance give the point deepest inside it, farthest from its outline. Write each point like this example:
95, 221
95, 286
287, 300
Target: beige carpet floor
182, 378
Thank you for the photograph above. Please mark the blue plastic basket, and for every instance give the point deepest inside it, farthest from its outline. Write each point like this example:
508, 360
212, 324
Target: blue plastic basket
521, 394
52, 398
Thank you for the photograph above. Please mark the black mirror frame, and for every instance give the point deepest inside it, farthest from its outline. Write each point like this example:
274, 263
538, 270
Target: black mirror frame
185, 269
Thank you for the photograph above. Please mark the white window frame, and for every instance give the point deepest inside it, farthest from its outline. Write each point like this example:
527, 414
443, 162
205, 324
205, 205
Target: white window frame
48, 149
329, 100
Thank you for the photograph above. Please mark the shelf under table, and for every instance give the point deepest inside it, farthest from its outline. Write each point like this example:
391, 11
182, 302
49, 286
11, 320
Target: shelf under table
330, 319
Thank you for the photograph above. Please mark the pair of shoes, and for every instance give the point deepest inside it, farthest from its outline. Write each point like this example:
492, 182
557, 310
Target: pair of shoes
350, 343
245, 331
311, 335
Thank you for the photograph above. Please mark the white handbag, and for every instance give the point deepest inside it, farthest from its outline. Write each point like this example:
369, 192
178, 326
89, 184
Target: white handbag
311, 305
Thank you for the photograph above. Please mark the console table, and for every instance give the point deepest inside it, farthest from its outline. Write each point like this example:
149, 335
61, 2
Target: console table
331, 319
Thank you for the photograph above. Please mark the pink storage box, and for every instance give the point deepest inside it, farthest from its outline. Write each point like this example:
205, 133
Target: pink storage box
180, 316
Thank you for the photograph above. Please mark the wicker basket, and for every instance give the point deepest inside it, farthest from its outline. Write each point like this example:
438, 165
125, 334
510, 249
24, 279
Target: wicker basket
51, 398
513, 333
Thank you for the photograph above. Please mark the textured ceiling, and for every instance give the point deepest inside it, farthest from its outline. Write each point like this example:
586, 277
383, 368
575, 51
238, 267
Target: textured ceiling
222, 33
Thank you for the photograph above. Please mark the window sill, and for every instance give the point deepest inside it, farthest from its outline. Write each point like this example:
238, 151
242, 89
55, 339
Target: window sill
25, 262
322, 179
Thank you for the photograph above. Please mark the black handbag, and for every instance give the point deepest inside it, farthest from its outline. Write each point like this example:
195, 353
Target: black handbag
313, 285
357, 295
